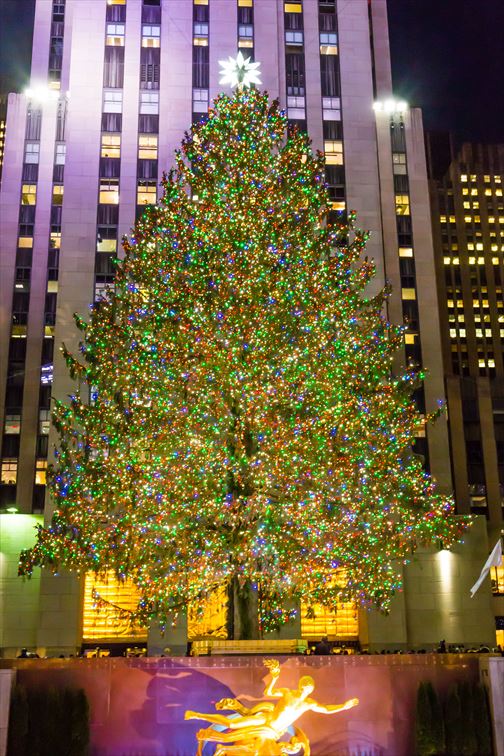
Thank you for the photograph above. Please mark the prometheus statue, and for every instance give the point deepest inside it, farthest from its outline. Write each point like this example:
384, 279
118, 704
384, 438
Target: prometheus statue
257, 731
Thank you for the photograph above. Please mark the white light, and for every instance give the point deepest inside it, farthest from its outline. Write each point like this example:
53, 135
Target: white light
41, 93
390, 106
239, 72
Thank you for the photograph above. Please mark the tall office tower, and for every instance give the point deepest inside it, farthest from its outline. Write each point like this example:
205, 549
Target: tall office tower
468, 225
114, 85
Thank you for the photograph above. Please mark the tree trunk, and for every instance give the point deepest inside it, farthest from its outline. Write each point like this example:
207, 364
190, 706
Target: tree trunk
243, 617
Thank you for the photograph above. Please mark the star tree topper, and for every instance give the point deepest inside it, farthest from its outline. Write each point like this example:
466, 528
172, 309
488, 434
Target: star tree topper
239, 72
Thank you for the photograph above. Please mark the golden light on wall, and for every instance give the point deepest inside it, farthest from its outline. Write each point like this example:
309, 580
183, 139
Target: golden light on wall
338, 623
109, 621
207, 619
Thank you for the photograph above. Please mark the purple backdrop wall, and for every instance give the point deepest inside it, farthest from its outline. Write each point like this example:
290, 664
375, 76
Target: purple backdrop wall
137, 705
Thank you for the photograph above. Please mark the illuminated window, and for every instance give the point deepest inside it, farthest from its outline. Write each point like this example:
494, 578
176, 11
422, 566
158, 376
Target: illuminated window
109, 192
116, 2
107, 602
200, 2
40, 472
57, 196
60, 154
25, 242
151, 36
146, 194
293, 8
106, 245
200, 41
115, 35
149, 103
405, 252
112, 101
408, 293
44, 421
29, 194
9, 471
463, 178
402, 203
111, 145
147, 147
399, 163
409, 338
12, 425
207, 619
245, 3
55, 240
333, 152
32, 152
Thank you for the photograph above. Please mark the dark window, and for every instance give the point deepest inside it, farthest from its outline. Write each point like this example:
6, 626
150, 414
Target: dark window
401, 184
58, 174
108, 215
116, 13
27, 214
149, 66
397, 136
30, 172
335, 175
10, 445
148, 124
333, 130
45, 397
294, 64
110, 167
33, 124
17, 350
201, 14
147, 169
113, 74
200, 68
111, 122
327, 20
245, 15
329, 75
151, 12
42, 446
105, 265
293, 21
38, 498
56, 215
47, 350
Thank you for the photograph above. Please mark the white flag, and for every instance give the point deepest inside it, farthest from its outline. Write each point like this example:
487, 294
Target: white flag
494, 560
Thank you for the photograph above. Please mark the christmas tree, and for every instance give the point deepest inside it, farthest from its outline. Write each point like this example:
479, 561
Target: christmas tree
236, 419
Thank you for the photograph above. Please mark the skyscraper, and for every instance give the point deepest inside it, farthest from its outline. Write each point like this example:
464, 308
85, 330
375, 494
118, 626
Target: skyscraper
114, 84
468, 223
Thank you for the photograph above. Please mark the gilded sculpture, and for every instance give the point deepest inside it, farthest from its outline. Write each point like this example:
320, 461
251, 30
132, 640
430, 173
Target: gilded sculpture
257, 731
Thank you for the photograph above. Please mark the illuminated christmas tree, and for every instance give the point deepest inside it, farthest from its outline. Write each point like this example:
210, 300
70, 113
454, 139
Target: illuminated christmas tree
236, 419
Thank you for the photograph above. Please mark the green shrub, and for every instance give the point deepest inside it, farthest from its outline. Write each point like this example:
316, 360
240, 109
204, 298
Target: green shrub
429, 730
453, 723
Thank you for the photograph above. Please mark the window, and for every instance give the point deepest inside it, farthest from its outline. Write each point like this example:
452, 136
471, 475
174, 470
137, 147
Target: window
246, 31
29, 194
147, 147
109, 192
293, 37
25, 242
32, 151
402, 203
110, 146
113, 73
45, 415
146, 193
149, 68
60, 154
40, 472
408, 293
57, 196
115, 35
13, 422
333, 153
200, 29
200, 100
106, 245
149, 103
200, 67
112, 101
9, 471
331, 109
399, 163
405, 252
294, 64
151, 35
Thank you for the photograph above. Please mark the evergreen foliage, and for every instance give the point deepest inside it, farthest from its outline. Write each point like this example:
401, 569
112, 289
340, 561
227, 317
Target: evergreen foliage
18, 722
482, 723
245, 423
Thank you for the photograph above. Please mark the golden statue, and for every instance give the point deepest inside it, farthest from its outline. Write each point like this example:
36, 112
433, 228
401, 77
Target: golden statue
257, 731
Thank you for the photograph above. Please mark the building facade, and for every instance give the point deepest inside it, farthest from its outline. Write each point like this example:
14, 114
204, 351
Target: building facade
467, 194
114, 85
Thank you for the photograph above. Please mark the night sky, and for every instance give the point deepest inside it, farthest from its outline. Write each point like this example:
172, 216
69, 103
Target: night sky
447, 57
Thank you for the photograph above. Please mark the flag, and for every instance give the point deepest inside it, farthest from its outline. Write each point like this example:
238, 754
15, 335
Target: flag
494, 560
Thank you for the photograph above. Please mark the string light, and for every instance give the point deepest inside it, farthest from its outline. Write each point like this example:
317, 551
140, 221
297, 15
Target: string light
244, 421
